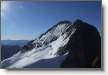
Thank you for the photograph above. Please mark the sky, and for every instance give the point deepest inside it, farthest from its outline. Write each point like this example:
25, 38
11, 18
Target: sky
26, 20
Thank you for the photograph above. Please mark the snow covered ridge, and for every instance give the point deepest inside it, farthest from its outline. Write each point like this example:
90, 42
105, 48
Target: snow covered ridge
49, 50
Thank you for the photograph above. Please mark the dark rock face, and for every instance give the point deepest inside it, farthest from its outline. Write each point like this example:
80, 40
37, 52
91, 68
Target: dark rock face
28, 46
84, 47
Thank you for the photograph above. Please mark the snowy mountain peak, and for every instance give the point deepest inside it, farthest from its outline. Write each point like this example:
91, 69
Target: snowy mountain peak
52, 34
51, 48
64, 22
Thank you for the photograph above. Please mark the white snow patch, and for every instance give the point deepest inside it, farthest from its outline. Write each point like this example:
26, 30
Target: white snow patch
37, 54
45, 52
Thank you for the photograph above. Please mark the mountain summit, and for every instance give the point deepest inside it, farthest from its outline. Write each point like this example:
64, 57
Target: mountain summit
65, 45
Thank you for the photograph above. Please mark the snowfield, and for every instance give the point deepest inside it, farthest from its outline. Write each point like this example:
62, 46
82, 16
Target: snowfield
46, 55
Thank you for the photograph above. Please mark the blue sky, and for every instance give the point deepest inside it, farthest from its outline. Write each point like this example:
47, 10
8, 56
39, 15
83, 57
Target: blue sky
27, 20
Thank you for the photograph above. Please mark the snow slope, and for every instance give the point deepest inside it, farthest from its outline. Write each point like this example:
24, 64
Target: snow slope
44, 50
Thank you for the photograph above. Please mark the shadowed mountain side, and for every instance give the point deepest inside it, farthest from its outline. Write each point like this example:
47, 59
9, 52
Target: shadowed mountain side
48, 63
84, 47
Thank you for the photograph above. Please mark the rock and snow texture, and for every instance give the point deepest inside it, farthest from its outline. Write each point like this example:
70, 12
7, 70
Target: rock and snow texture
44, 47
49, 50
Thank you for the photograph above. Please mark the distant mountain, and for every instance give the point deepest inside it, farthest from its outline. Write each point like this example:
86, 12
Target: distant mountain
14, 42
65, 45
8, 50
10, 47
